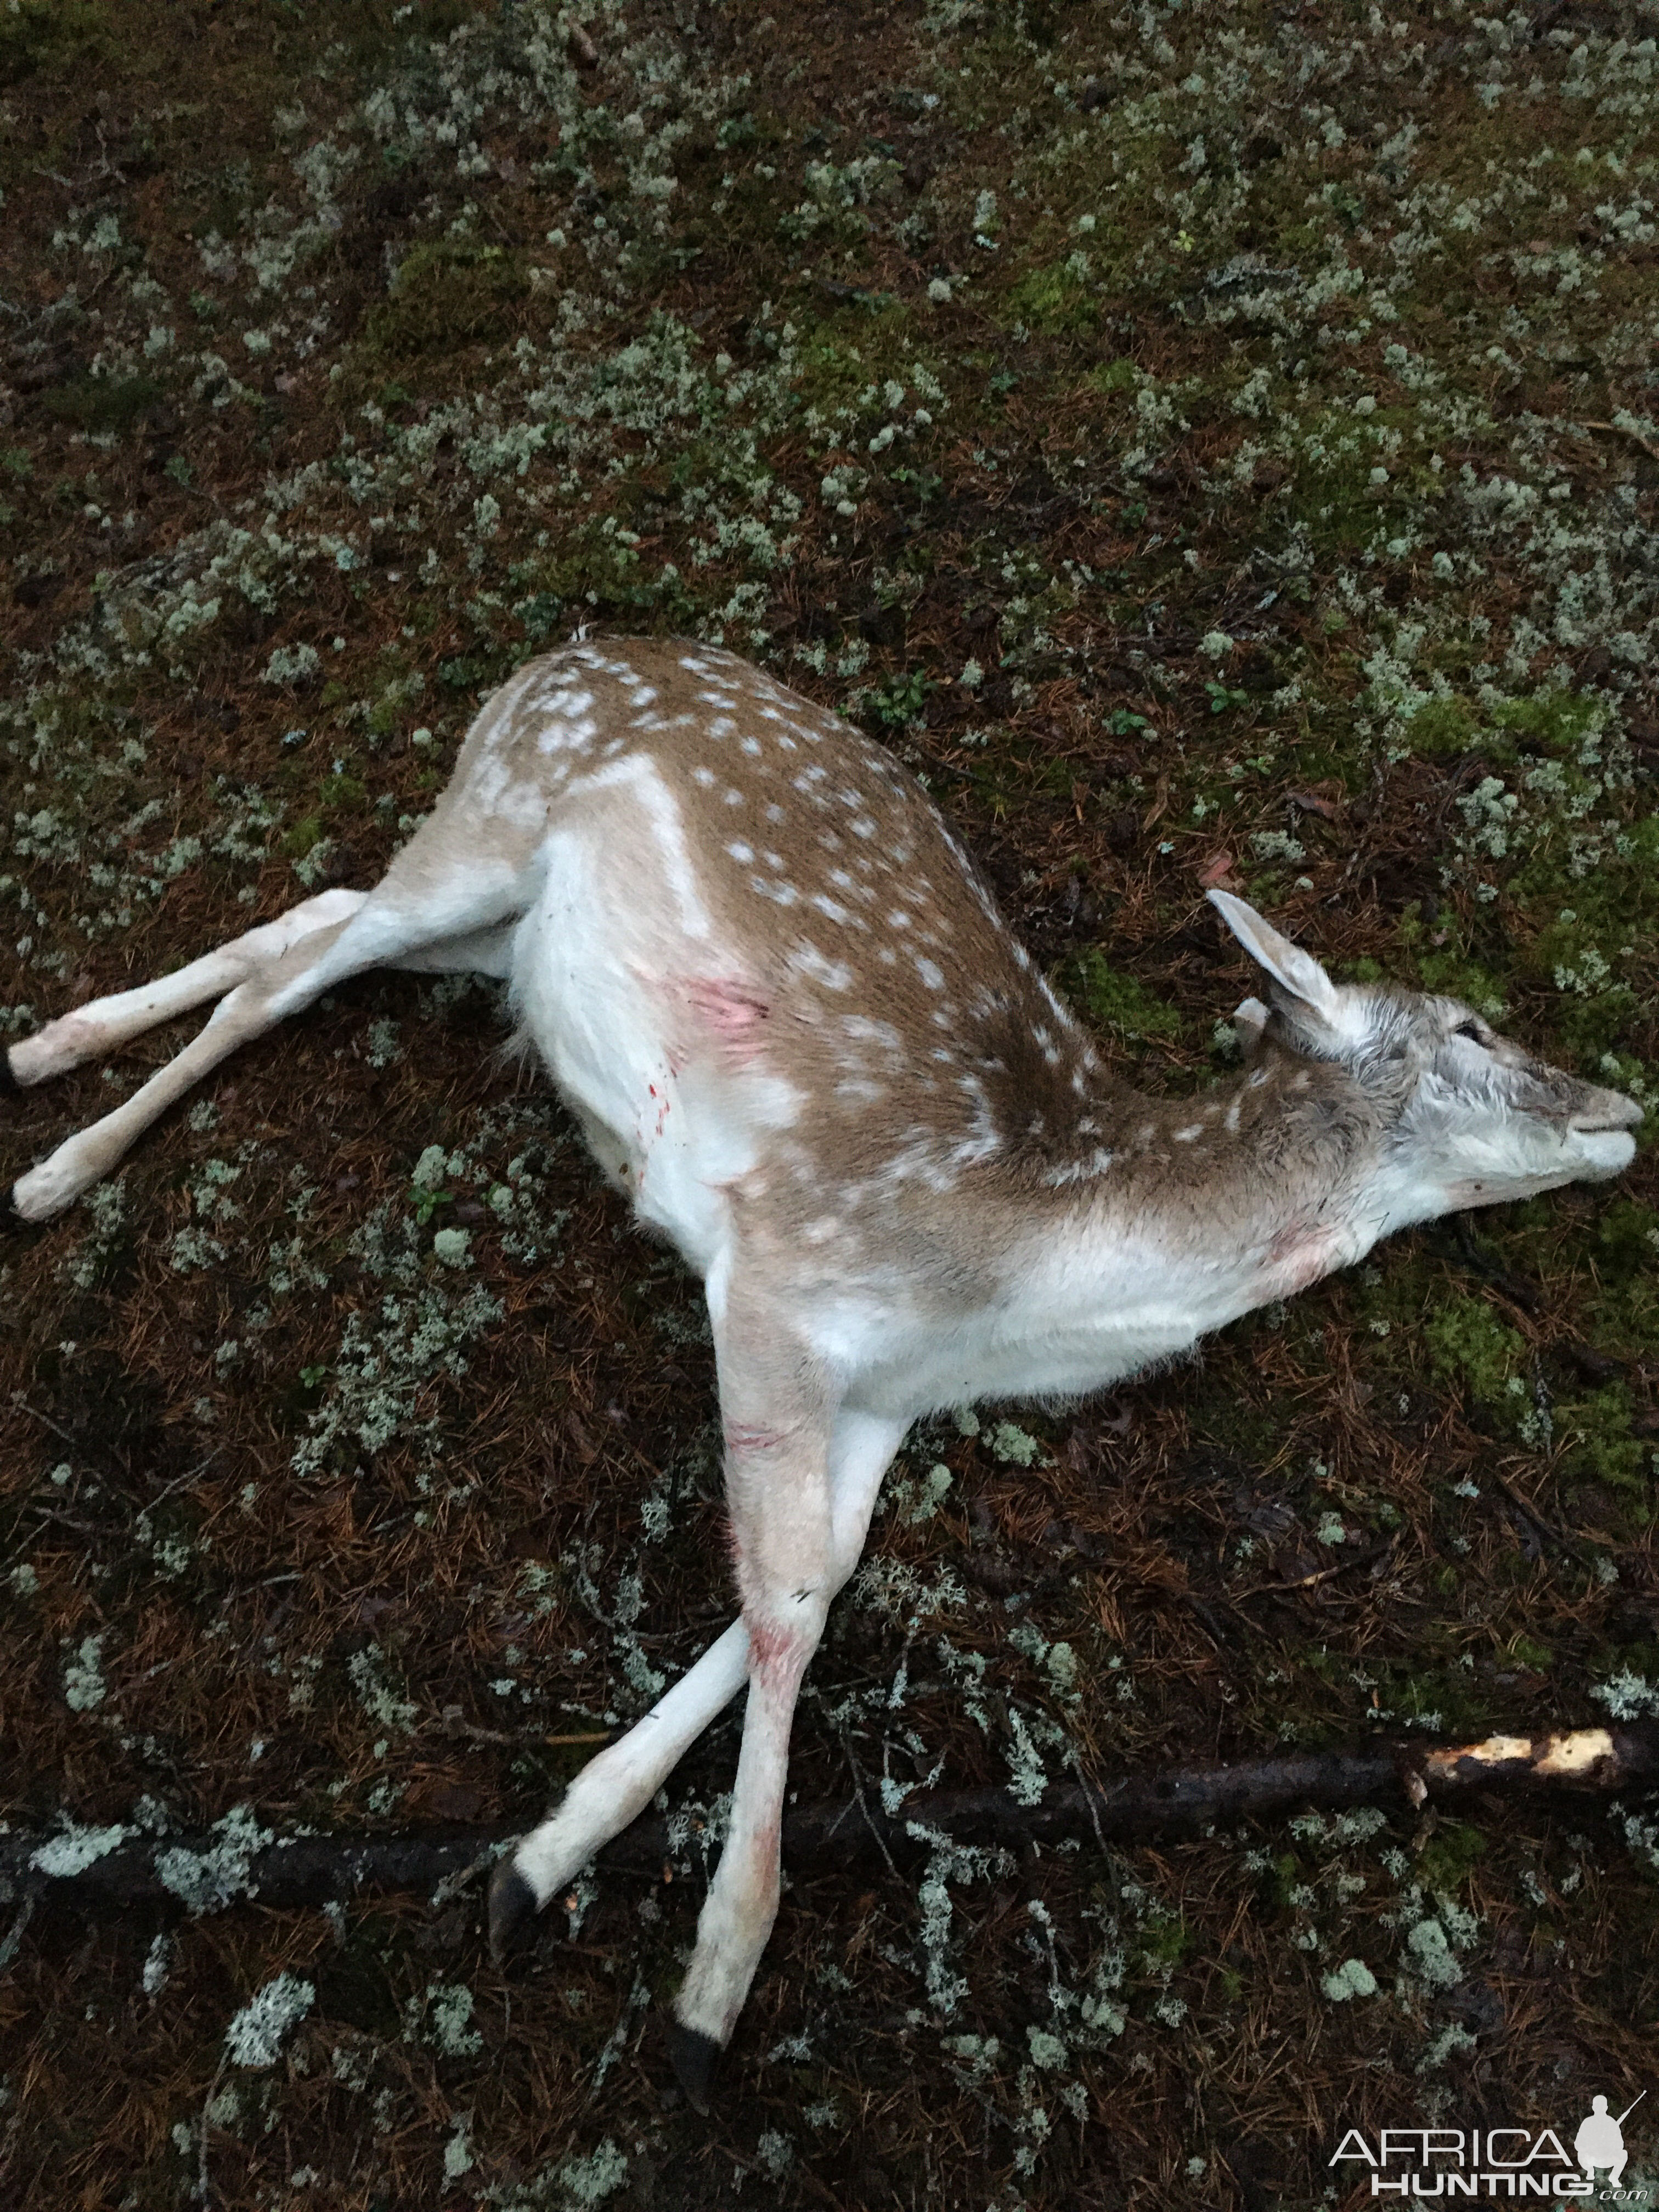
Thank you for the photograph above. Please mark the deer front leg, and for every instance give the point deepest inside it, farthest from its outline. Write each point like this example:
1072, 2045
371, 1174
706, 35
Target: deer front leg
614, 1788
778, 1423
617, 1783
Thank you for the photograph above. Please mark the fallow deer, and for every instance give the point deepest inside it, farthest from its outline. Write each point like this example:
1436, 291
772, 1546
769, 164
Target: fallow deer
768, 982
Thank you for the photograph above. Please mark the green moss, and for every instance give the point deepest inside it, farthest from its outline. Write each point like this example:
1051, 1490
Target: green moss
1594, 1432
1470, 1347
1116, 1001
1551, 718
1120, 375
1053, 300
1445, 725
447, 294
1279, 1878
1627, 1241
342, 790
1227, 1421
1455, 977
1448, 1858
599, 570
1165, 1940
839, 356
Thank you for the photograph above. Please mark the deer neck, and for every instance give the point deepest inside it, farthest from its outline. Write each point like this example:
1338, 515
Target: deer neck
1192, 1212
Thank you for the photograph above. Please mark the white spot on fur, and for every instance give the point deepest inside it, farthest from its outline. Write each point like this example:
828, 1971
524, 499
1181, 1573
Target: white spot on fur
833, 974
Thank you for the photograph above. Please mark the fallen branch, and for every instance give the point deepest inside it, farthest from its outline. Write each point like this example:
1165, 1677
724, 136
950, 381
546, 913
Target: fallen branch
1182, 1801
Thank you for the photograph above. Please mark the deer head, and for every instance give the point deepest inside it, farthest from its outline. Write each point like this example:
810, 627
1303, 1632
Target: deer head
1468, 1117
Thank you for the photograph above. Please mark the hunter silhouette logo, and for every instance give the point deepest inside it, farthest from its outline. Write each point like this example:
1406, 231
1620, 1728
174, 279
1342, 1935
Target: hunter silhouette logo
1500, 2161
1600, 2141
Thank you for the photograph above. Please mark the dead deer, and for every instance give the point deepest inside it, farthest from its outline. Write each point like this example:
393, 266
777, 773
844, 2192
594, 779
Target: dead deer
768, 982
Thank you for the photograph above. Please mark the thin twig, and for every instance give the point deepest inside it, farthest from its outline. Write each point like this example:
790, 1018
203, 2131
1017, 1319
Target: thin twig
1535, 1519
62, 1435
180, 1480
202, 2148
1322, 1574
864, 1810
452, 1884
469, 1732
14, 1938
1617, 430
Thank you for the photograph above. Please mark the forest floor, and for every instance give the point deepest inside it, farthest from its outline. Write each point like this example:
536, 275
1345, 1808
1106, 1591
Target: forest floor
1212, 444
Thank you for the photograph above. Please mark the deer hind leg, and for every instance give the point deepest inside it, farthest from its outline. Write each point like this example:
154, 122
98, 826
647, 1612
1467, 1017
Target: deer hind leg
615, 1787
103, 1025
377, 930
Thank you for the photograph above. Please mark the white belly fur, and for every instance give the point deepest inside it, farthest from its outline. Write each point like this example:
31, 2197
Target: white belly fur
594, 967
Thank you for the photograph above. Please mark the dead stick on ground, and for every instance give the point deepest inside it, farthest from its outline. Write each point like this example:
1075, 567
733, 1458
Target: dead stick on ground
1320, 1574
1531, 1515
1636, 438
311, 1870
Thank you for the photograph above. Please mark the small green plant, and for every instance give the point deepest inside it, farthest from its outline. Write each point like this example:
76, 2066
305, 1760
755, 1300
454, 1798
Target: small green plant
1120, 375
923, 483
1447, 1859
1054, 301
1223, 698
900, 700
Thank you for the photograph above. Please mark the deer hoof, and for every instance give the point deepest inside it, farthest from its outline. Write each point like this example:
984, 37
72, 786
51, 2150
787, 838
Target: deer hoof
513, 1906
696, 2055
9, 1086
10, 1219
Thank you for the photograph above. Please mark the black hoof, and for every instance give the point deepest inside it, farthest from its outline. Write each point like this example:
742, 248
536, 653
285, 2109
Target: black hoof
11, 1219
9, 1086
696, 2055
512, 1908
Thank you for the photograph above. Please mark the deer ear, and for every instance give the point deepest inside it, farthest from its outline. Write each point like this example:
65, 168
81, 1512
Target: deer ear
1298, 974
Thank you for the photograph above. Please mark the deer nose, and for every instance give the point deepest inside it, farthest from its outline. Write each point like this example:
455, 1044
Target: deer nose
1608, 1110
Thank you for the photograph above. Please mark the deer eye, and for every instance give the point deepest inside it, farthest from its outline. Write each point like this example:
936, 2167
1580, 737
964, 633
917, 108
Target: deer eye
1470, 1030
